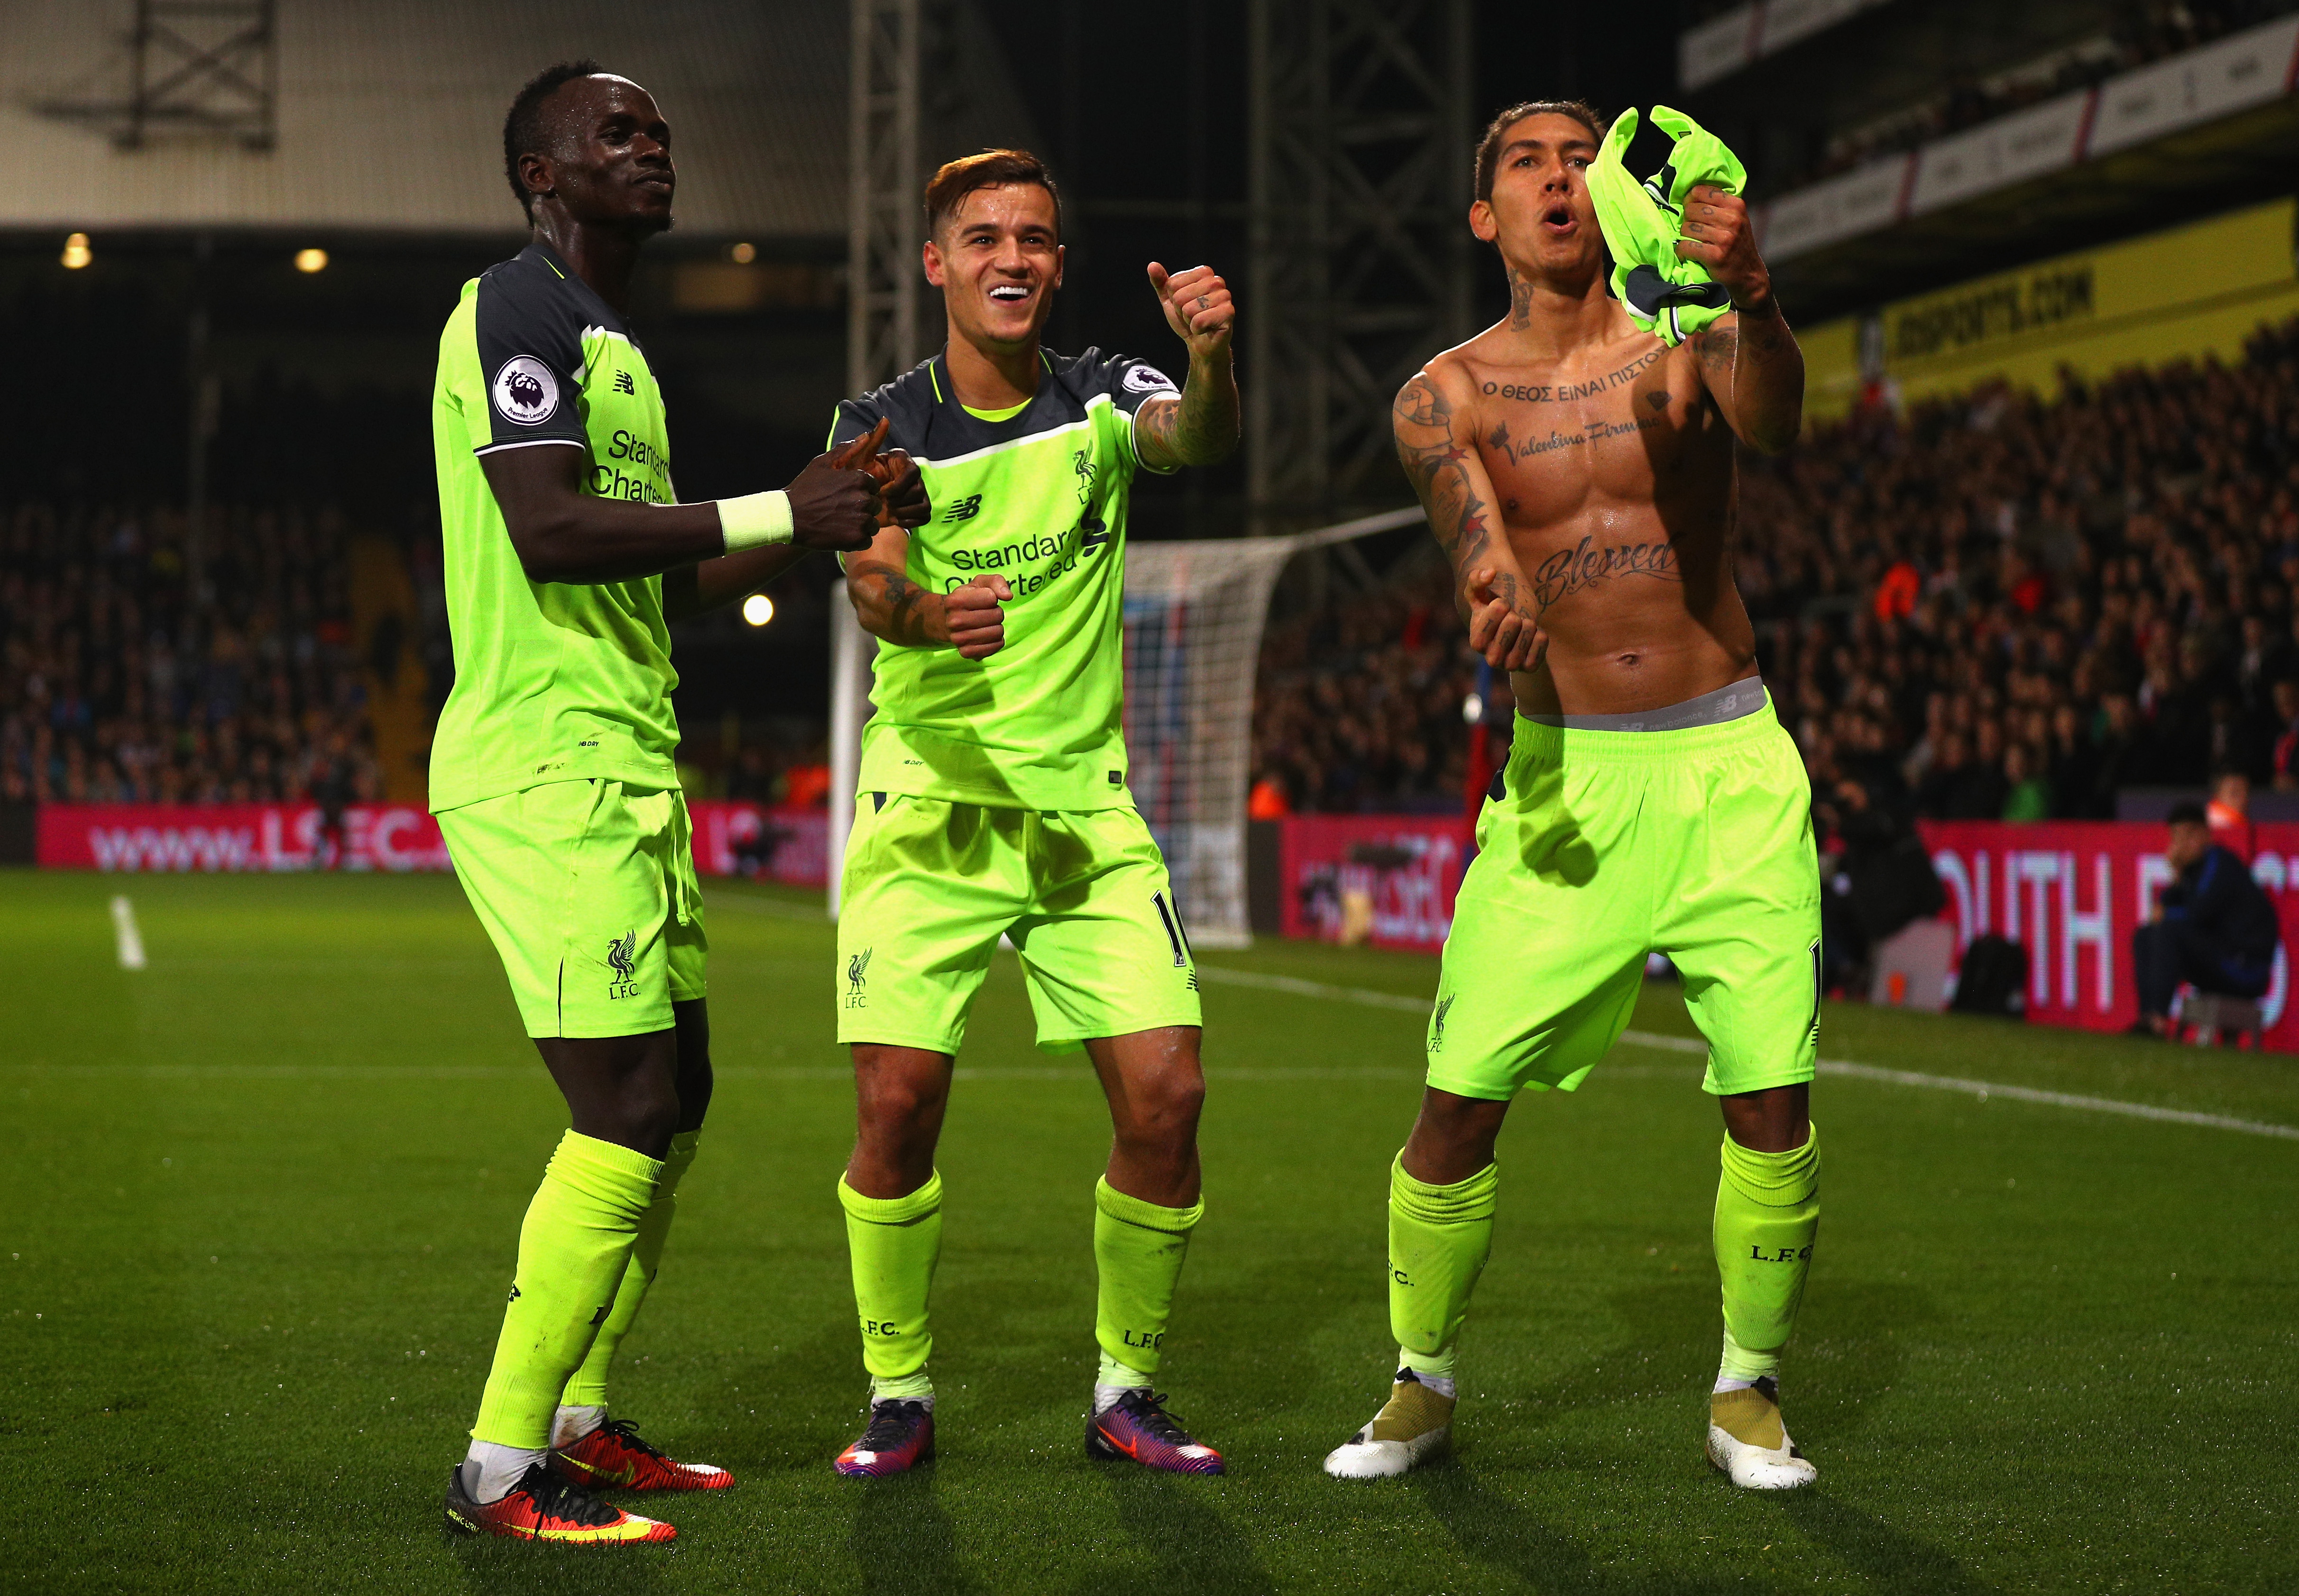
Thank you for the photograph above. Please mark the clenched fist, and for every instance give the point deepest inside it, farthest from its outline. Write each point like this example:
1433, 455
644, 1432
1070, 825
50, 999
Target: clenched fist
1716, 232
1500, 628
977, 626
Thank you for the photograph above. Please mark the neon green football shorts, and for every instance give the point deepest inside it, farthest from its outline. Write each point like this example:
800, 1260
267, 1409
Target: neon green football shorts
587, 889
1606, 846
930, 886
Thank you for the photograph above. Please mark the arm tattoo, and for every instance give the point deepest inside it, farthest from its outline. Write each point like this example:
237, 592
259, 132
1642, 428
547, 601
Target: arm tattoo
1753, 368
893, 602
1423, 423
1198, 428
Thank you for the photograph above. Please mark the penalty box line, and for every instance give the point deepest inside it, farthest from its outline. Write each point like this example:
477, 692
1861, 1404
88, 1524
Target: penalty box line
1981, 1090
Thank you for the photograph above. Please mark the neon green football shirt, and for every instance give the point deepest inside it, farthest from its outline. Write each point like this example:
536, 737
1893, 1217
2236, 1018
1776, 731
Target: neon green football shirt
554, 681
1039, 496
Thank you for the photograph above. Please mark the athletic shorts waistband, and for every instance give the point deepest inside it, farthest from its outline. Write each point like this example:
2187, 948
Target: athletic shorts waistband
1727, 703
1716, 721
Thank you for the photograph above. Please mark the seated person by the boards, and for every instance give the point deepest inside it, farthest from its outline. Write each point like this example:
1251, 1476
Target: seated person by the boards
2214, 927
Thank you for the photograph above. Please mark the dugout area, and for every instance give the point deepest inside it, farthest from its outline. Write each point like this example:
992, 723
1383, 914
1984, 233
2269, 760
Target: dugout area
263, 1193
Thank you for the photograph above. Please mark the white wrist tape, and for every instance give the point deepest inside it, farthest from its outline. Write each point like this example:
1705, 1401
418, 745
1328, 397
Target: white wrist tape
756, 520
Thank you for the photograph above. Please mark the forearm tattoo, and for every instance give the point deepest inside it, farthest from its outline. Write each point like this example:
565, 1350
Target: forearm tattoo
893, 602
1198, 428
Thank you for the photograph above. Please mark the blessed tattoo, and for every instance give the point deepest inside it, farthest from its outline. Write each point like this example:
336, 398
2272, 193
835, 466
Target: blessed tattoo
1568, 571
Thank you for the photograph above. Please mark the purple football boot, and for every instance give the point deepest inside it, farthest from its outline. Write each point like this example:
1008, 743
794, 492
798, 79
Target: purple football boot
1138, 1426
898, 1437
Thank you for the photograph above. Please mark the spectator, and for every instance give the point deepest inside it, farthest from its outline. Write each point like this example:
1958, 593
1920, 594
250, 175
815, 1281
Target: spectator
2229, 809
2283, 767
2028, 795
2213, 927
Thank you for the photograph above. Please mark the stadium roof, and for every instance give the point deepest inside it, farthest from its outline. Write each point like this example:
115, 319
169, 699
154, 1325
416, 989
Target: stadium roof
389, 114
2186, 136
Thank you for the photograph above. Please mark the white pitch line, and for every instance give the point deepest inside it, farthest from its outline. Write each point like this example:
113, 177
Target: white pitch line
129, 940
1222, 975
1981, 1090
777, 907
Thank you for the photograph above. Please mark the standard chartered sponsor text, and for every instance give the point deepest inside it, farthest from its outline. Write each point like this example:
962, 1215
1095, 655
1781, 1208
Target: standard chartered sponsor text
1060, 554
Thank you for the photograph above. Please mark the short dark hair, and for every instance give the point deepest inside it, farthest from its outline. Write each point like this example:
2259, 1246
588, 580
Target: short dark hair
989, 169
2185, 813
523, 130
1488, 147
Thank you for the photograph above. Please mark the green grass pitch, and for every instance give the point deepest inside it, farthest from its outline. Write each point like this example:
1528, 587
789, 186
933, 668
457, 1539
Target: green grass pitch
260, 1198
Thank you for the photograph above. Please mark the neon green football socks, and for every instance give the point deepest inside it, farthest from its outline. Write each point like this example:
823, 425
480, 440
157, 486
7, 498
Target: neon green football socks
589, 1386
574, 1248
1138, 1250
1439, 1239
1642, 220
1767, 1213
893, 1243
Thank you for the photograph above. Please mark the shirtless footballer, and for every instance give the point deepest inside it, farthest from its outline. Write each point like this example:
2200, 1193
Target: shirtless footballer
1579, 473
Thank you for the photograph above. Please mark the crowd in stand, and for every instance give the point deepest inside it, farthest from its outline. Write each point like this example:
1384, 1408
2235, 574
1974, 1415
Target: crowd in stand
2004, 606
117, 684
1359, 706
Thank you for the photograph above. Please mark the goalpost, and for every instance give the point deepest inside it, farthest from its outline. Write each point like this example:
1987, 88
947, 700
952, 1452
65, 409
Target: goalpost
1194, 612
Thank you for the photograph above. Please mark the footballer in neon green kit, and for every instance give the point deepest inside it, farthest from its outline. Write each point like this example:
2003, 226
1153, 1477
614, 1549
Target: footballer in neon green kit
993, 797
566, 553
1651, 800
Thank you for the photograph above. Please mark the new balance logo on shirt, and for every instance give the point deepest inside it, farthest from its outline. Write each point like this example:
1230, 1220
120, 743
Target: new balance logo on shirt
965, 509
623, 383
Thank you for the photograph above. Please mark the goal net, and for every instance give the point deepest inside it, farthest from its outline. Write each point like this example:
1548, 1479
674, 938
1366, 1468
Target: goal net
1194, 612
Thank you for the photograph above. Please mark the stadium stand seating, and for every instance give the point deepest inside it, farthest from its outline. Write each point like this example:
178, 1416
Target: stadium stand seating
111, 692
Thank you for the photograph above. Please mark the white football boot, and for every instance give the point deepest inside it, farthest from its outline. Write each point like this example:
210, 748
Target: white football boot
1747, 1441
1414, 1426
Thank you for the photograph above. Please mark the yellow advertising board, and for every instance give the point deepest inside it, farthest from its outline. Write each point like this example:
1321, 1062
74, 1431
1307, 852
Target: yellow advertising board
2190, 291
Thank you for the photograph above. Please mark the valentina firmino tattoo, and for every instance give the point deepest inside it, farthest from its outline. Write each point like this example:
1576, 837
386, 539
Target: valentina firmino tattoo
1594, 432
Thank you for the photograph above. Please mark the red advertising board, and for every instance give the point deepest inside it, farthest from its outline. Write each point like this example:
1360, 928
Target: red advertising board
781, 844
789, 846
2071, 893
230, 837
1384, 878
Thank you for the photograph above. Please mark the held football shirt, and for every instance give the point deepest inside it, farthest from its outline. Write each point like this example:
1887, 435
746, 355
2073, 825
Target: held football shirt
554, 681
1038, 496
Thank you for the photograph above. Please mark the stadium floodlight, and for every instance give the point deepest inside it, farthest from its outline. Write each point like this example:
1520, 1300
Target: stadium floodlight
77, 254
758, 609
311, 261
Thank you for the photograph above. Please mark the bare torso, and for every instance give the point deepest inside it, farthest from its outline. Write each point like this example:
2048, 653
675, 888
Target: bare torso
1612, 476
